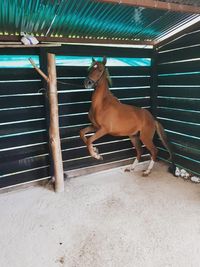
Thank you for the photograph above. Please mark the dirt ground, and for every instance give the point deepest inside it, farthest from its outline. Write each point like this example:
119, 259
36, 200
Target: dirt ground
109, 219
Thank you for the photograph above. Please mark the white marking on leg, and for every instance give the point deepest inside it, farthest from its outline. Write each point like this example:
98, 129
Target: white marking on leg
132, 167
94, 152
135, 162
148, 170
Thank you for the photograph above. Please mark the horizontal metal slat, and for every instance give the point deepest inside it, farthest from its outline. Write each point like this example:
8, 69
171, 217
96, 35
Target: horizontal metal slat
89, 161
176, 55
81, 96
7, 88
19, 73
192, 79
22, 114
103, 148
89, 50
24, 152
187, 116
31, 139
185, 140
21, 101
128, 93
74, 119
23, 127
25, 164
179, 91
179, 67
184, 151
76, 142
74, 108
71, 83
188, 39
179, 103
68, 71
181, 127
19, 178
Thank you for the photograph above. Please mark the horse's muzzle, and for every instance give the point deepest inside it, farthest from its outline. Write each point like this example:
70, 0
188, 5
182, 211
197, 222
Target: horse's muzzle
88, 83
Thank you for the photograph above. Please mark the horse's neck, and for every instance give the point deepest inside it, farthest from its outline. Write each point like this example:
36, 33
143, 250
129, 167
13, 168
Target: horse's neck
101, 92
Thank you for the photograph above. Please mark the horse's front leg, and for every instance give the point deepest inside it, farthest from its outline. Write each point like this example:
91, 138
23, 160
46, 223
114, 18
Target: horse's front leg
86, 130
94, 152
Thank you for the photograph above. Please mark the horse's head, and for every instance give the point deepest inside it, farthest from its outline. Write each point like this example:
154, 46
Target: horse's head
96, 71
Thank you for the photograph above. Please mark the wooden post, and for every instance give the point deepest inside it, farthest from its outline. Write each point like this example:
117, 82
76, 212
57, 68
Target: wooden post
45, 81
154, 83
54, 135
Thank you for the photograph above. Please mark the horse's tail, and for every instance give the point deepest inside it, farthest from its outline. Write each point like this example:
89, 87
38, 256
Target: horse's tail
161, 133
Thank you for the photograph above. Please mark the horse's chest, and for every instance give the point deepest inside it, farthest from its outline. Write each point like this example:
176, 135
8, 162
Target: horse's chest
96, 116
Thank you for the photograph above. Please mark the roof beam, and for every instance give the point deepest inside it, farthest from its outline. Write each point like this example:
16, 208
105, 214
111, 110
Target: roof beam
25, 46
63, 40
156, 5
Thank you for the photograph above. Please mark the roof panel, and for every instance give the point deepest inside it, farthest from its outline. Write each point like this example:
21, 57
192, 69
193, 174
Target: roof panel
88, 19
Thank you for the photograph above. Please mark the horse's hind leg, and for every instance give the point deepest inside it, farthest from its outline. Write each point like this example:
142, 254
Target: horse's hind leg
147, 139
137, 144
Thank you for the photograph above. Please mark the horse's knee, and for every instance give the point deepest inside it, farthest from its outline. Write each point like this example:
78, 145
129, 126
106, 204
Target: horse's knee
82, 136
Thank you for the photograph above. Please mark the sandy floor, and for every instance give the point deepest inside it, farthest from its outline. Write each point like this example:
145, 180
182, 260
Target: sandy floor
108, 219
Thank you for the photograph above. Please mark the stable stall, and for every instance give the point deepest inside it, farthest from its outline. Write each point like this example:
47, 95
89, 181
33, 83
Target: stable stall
152, 49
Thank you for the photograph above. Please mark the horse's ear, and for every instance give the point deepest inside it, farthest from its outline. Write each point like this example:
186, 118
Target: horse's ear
93, 60
104, 60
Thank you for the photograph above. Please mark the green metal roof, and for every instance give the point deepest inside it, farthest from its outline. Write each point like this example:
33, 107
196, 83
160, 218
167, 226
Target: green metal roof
87, 19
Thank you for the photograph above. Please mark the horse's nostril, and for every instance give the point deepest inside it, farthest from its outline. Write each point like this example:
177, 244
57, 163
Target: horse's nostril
88, 83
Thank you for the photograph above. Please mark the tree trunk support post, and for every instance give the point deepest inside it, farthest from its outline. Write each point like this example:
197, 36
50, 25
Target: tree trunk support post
54, 135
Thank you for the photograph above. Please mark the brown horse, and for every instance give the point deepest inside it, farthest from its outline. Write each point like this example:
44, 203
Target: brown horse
109, 116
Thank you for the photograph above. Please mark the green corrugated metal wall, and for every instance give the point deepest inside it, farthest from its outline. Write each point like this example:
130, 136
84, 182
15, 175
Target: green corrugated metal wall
24, 153
178, 98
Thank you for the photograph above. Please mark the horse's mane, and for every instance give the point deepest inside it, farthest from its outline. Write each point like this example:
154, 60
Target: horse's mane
108, 77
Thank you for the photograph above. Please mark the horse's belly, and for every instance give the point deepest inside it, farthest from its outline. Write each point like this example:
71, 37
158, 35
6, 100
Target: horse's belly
123, 127
124, 132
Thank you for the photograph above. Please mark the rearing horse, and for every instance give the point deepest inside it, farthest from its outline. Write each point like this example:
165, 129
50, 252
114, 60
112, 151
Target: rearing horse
109, 116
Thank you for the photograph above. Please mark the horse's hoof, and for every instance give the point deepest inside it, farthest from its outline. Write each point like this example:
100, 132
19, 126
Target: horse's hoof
97, 156
100, 157
145, 173
129, 170
96, 150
